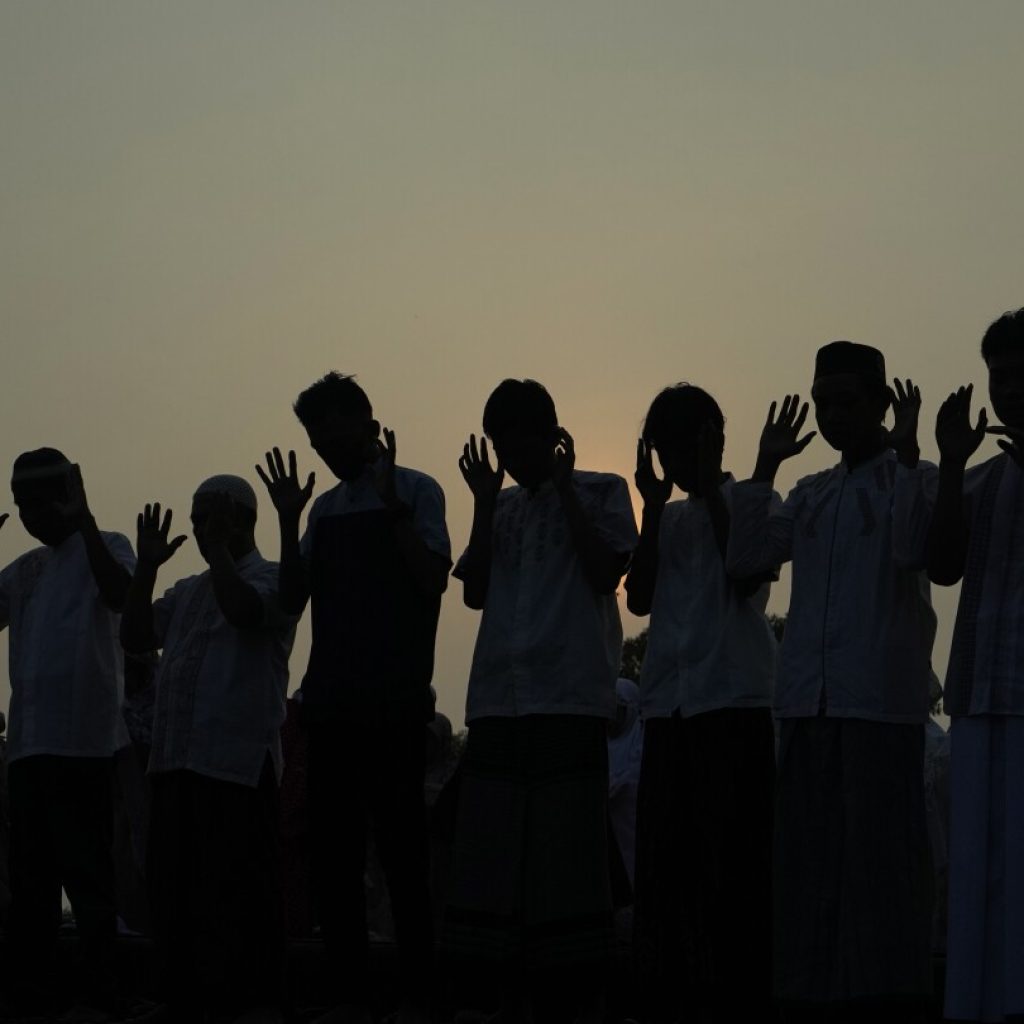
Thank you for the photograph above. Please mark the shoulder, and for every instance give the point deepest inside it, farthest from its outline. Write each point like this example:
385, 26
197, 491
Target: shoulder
599, 483
29, 560
415, 482
325, 503
118, 543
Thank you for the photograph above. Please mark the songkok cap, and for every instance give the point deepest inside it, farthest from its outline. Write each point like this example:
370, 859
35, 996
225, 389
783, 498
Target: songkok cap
849, 357
237, 489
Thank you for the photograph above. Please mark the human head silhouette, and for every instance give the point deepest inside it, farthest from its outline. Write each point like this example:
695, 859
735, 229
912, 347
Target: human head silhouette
339, 422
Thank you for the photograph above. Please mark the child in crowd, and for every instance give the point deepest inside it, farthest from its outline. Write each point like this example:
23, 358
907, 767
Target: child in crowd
977, 535
702, 920
852, 884
531, 886
213, 860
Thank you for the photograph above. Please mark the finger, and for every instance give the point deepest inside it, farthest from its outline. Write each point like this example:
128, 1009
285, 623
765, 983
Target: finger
263, 476
392, 446
140, 522
278, 462
897, 395
801, 419
293, 465
805, 441
639, 453
484, 458
982, 420
770, 422
166, 528
177, 542
566, 438
310, 482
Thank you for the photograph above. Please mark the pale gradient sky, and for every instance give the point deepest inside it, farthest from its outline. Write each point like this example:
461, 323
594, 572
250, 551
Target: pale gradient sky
205, 206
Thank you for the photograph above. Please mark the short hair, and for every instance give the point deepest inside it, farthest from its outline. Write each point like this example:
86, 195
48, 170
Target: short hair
38, 465
680, 409
520, 403
333, 393
1004, 337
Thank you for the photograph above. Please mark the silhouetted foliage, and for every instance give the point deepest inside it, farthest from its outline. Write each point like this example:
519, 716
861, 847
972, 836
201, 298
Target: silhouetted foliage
633, 650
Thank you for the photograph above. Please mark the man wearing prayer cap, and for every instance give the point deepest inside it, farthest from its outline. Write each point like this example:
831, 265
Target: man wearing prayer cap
61, 602
216, 762
852, 862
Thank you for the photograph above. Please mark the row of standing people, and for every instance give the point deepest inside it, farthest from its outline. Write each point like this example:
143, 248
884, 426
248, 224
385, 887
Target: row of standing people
807, 882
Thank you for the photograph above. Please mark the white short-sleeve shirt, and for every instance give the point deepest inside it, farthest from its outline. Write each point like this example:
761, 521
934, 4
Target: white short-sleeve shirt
548, 644
66, 664
220, 690
707, 647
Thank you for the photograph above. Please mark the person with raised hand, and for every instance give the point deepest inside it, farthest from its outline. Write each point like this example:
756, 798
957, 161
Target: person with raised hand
373, 563
62, 602
702, 916
852, 873
215, 762
975, 519
531, 896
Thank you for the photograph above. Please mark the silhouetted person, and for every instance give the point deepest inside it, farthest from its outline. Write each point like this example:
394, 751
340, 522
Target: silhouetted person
61, 602
702, 920
977, 535
374, 563
625, 756
531, 887
213, 858
852, 865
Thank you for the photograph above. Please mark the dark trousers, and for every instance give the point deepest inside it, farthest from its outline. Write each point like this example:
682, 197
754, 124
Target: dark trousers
61, 835
703, 906
213, 867
370, 777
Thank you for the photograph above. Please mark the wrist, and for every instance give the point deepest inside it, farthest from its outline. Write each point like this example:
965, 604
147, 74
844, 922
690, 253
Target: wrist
765, 468
909, 455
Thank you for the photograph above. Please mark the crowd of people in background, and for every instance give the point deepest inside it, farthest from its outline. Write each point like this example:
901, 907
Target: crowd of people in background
751, 822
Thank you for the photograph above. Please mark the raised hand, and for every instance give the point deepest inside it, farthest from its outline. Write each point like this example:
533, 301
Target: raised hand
152, 544
905, 398
1011, 442
384, 478
780, 438
710, 443
653, 489
483, 480
565, 460
219, 524
288, 497
75, 507
957, 439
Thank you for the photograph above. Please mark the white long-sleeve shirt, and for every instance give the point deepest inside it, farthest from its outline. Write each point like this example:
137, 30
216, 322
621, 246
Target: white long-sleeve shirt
859, 634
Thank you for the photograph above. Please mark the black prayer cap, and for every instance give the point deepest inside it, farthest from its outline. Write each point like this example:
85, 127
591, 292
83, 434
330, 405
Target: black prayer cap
849, 357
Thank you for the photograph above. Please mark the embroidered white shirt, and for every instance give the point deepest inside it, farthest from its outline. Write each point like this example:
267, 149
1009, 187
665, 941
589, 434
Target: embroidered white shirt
220, 690
707, 647
66, 665
860, 629
548, 644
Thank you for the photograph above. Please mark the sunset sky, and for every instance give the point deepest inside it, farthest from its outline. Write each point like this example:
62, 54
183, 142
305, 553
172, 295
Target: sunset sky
205, 206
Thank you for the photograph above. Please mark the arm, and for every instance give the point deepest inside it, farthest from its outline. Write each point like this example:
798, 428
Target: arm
239, 602
958, 441
138, 634
429, 570
643, 571
289, 499
111, 577
602, 565
758, 540
485, 483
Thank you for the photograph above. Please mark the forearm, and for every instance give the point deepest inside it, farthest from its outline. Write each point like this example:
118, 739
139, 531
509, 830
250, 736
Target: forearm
476, 568
292, 575
601, 566
111, 577
643, 571
137, 631
239, 602
948, 533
